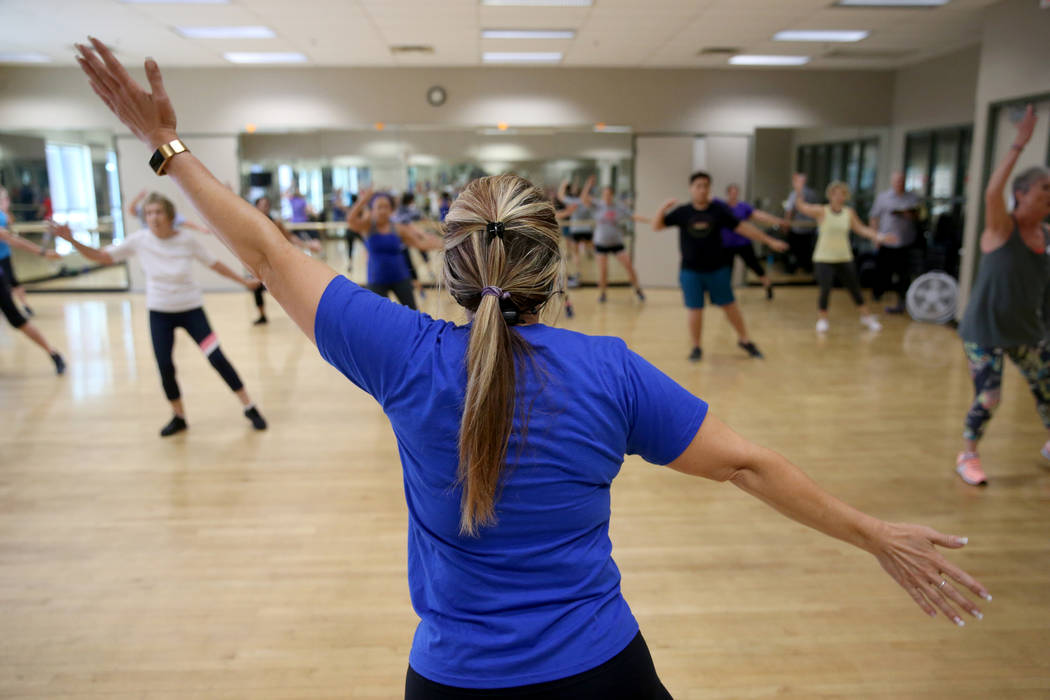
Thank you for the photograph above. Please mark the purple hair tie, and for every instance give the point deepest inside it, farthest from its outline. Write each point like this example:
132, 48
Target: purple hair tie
496, 292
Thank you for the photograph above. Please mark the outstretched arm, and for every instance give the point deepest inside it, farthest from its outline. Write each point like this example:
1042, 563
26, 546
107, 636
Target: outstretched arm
813, 211
858, 227
225, 271
905, 552
414, 236
92, 254
295, 281
15, 241
997, 223
767, 218
751, 231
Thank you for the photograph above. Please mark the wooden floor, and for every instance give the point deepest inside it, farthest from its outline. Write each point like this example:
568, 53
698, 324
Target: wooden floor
225, 563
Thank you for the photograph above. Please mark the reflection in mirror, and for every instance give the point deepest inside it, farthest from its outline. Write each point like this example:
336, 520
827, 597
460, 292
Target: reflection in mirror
70, 176
312, 178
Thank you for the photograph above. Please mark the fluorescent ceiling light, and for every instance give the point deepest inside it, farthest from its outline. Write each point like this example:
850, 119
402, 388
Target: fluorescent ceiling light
263, 57
246, 32
820, 35
607, 129
23, 57
521, 56
539, 3
176, 2
527, 34
755, 60
892, 3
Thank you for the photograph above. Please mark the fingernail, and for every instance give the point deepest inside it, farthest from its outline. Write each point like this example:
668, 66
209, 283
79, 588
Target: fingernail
933, 613
959, 622
964, 540
978, 614
987, 596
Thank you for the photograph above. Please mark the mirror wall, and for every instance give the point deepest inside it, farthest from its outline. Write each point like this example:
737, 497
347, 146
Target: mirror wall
72, 177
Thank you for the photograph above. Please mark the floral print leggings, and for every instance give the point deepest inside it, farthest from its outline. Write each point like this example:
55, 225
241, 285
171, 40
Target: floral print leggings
986, 368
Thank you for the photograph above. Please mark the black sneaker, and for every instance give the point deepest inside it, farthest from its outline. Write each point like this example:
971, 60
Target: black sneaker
695, 355
602, 299
638, 293
769, 293
569, 311
60, 364
262, 320
177, 425
29, 312
898, 309
751, 349
252, 414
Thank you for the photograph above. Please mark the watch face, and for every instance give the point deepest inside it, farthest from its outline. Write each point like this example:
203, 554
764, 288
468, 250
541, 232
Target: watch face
436, 96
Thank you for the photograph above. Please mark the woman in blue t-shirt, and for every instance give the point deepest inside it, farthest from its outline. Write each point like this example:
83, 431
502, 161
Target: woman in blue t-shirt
510, 569
371, 217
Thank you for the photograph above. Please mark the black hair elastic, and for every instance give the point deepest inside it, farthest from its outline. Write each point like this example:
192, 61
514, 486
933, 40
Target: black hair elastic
495, 229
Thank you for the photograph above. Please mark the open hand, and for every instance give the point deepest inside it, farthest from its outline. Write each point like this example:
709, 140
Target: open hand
1026, 126
668, 204
778, 245
52, 255
908, 554
891, 238
149, 115
59, 230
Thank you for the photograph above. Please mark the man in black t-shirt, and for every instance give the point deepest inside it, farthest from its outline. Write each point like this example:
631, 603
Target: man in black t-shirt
706, 265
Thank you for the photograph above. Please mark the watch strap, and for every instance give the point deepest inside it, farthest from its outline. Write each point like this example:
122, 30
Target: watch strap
164, 153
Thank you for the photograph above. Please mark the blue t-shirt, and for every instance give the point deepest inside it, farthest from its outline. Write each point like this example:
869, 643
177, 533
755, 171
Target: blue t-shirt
537, 596
5, 250
730, 238
386, 263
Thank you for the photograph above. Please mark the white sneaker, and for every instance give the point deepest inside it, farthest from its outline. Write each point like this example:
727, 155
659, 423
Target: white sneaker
822, 325
871, 323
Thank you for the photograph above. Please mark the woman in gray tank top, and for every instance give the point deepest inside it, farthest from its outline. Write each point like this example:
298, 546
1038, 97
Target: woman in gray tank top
1005, 313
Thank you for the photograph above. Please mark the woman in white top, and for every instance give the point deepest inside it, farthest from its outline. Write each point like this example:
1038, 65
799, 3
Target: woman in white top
174, 298
833, 257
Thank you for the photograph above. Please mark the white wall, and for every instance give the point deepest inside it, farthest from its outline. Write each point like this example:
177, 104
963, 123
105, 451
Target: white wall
1014, 63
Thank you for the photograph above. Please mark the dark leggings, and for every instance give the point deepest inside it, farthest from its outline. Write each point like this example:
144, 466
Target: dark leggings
986, 369
747, 254
892, 272
162, 325
845, 272
7, 304
401, 289
259, 296
630, 675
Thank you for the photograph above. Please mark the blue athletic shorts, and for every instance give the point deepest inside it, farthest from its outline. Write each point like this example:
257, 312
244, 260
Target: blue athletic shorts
717, 284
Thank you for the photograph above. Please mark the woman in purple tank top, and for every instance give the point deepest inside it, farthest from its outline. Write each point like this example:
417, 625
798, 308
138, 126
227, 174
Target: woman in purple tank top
385, 239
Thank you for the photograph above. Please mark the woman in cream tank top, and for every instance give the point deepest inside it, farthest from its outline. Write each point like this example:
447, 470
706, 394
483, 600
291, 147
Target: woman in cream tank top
833, 257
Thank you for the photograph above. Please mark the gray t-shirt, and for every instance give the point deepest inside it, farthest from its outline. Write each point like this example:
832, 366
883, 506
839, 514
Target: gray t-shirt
580, 220
888, 209
608, 218
801, 223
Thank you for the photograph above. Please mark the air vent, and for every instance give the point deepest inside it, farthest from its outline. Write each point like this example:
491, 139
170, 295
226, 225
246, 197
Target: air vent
718, 51
411, 49
869, 54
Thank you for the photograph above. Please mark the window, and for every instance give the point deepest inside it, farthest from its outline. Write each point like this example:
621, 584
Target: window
72, 185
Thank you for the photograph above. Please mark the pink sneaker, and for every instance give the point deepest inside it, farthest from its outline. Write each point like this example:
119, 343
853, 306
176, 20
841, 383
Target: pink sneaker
968, 467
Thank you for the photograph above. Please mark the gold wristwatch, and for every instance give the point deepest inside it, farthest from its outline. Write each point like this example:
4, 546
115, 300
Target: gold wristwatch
164, 153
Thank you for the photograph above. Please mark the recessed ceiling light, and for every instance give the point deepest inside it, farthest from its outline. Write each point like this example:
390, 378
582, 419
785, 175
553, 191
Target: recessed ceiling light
263, 57
892, 3
539, 3
756, 60
521, 56
820, 35
23, 57
609, 129
527, 34
246, 32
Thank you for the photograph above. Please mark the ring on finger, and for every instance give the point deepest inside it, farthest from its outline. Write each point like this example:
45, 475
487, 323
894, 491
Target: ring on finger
942, 583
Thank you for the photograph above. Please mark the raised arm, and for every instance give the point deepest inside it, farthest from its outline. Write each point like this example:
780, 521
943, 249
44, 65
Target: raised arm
563, 190
357, 218
997, 223
93, 254
414, 236
858, 227
585, 193
133, 205
295, 281
658, 223
749, 230
813, 211
906, 552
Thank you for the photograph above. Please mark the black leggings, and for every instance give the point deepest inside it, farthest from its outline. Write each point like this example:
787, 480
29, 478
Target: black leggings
892, 272
630, 675
401, 289
845, 272
7, 304
162, 325
259, 296
747, 254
